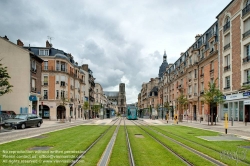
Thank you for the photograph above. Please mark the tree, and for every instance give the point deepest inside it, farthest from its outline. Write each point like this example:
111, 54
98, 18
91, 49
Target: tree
64, 102
182, 104
213, 96
85, 107
5, 86
96, 108
167, 106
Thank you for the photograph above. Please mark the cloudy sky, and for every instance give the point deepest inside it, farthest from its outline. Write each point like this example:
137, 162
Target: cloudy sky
121, 40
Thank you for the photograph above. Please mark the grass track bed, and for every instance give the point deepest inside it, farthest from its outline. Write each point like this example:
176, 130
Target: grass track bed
119, 155
185, 153
94, 155
147, 151
219, 146
65, 146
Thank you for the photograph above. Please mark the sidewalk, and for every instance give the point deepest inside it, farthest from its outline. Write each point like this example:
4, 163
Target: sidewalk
238, 128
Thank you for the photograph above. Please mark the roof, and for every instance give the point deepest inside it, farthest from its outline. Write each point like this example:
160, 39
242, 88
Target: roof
111, 94
224, 9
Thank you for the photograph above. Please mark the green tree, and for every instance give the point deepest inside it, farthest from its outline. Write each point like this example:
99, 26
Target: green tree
85, 108
213, 96
5, 86
167, 106
182, 104
96, 108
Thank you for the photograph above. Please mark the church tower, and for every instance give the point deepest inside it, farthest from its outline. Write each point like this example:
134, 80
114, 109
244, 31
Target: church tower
163, 66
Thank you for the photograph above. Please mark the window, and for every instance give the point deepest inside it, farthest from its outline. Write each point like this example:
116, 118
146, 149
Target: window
63, 66
45, 65
57, 65
202, 86
227, 82
227, 24
190, 61
33, 65
212, 80
190, 90
62, 93
211, 45
57, 94
195, 87
227, 41
246, 28
43, 52
33, 84
45, 94
195, 73
247, 76
45, 80
212, 66
247, 50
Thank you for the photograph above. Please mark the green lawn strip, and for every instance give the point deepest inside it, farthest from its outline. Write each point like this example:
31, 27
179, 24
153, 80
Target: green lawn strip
94, 154
65, 145
120, 151
219, 146
147, 151
185, 153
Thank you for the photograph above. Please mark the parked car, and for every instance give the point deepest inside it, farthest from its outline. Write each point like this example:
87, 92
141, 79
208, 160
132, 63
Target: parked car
22, 121
4, 115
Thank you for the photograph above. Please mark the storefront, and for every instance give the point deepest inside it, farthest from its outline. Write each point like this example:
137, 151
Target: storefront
237, 107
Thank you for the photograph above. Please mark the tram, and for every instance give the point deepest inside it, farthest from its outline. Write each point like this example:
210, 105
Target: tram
131, 112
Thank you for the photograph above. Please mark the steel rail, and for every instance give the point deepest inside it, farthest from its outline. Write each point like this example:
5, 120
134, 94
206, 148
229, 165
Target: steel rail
130, 154
108, 151
189, 148
166, 147
74, 162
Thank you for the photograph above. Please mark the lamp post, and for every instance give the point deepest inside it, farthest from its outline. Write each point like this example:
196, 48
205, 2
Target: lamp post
162, 105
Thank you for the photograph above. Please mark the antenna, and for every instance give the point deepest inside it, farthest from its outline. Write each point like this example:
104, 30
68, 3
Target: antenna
50, 38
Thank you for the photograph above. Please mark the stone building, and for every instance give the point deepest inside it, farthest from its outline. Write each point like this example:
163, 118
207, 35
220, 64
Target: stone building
118, 98
25, 68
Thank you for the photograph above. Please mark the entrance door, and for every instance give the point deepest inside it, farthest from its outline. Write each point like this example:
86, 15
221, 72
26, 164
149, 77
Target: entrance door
194, 112
213, 111
247, 113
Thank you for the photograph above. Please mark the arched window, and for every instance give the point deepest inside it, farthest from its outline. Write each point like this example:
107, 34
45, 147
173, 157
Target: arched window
227, 24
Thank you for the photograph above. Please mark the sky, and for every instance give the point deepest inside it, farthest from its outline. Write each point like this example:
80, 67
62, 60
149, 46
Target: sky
122, 41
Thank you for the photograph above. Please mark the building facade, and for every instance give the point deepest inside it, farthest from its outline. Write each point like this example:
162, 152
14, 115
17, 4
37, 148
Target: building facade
25, 69
63, 83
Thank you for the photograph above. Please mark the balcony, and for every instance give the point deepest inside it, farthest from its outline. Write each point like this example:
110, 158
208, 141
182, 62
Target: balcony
33, 70
226, 26
246, 59
45, 83
72, 100
227, 88
226, 46
226, 68
245, 10
45, 97
33, 89
180, 87
201, 92
195, 94
62, 84
246, 83
202, 75
246, 34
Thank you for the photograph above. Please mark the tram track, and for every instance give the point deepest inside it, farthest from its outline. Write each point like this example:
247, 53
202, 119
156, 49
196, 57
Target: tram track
165, 146
193, 142
75, 161
130, 154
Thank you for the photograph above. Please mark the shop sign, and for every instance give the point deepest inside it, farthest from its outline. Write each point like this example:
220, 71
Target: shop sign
246, 102
237, 96
32, 98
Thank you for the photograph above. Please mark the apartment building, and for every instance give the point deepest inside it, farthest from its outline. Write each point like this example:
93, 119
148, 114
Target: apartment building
25, 69
63, 83
234, 58
100, 99
148, 98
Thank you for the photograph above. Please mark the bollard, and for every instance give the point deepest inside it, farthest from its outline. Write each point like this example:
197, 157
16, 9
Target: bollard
226, 131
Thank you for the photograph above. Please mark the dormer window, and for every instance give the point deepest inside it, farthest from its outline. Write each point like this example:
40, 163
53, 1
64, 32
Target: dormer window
44, 52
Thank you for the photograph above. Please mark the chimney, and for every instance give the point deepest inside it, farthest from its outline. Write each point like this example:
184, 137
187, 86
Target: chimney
19, 43
182, 53
76, 63
85, 67
197, 37
6, 38
48, 45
